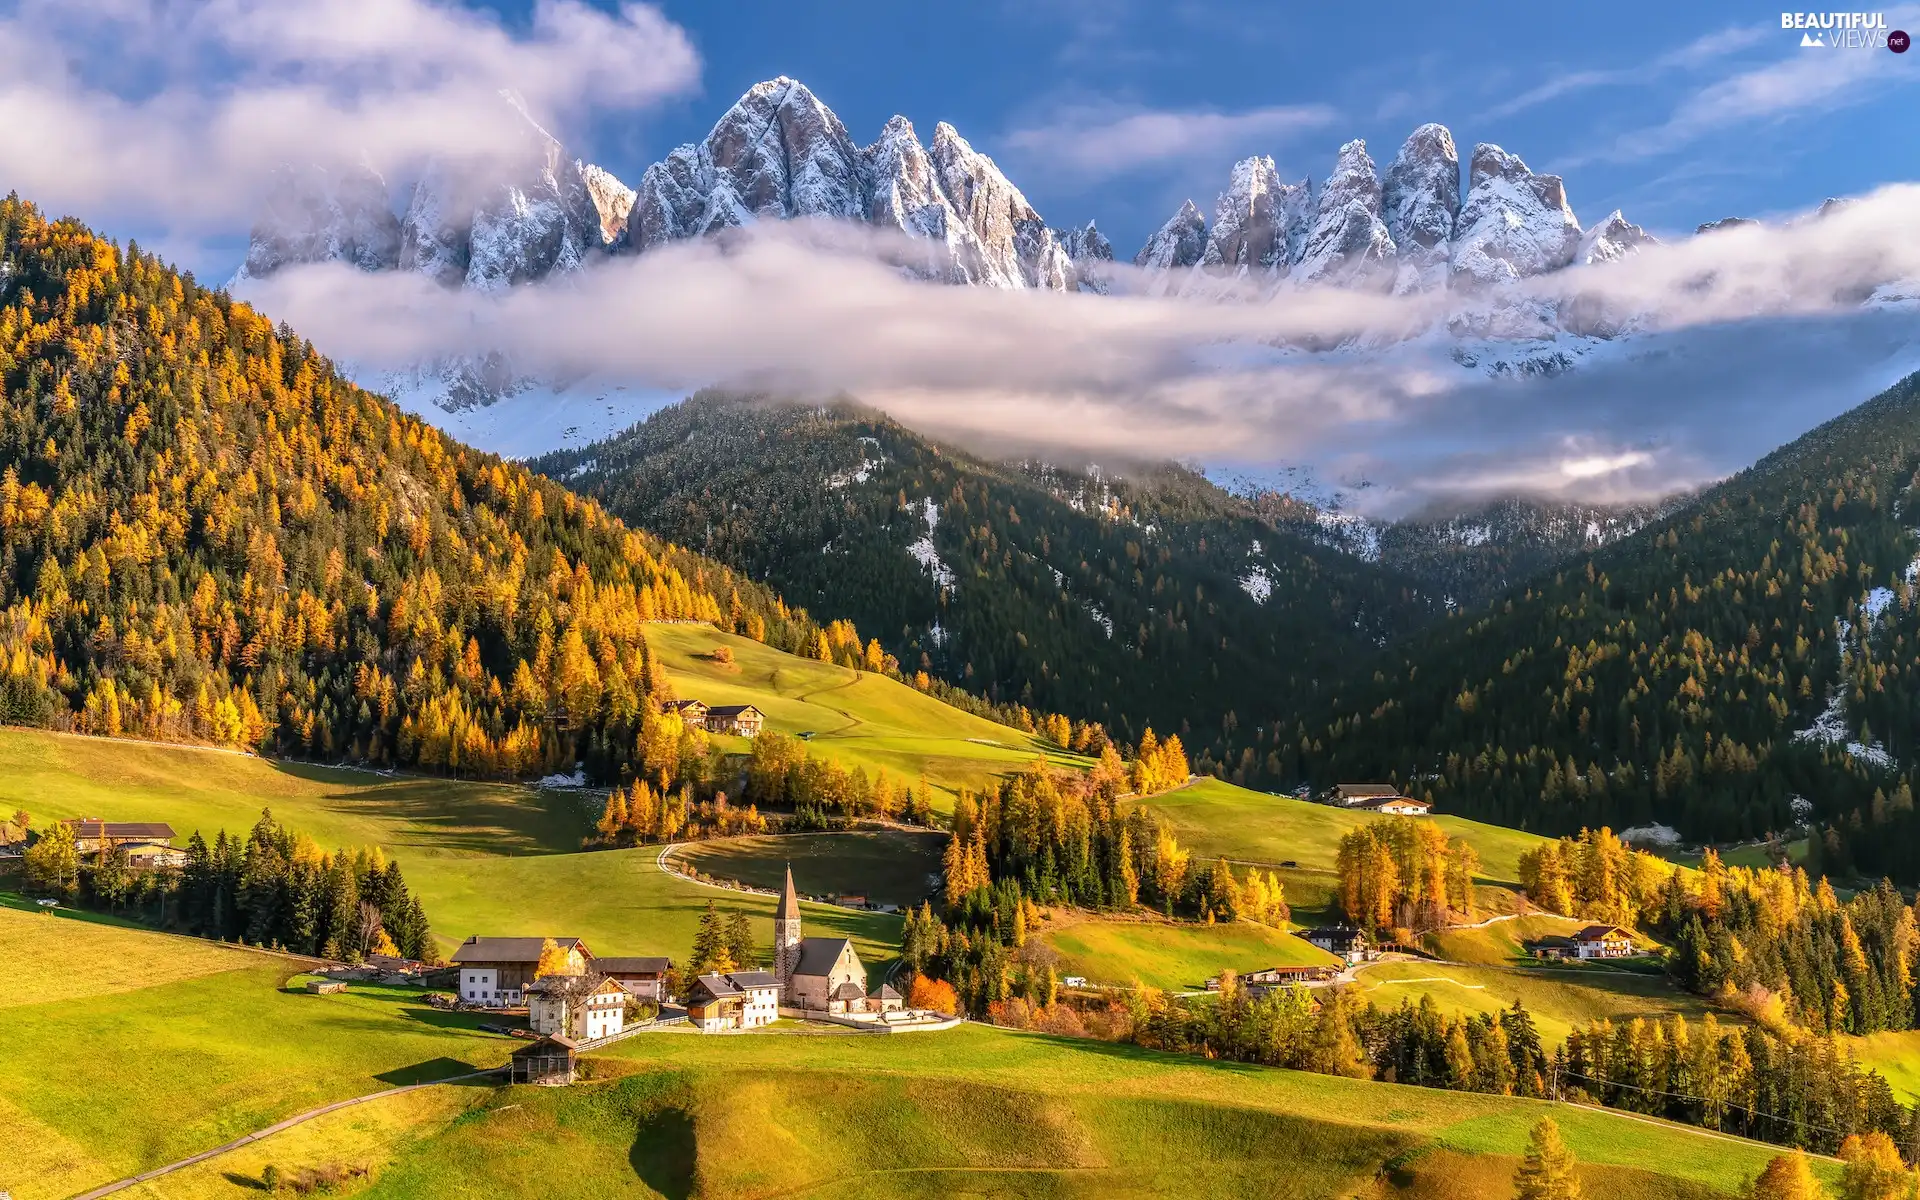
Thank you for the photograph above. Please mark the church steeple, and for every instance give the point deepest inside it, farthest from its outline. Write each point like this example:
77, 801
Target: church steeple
786, 934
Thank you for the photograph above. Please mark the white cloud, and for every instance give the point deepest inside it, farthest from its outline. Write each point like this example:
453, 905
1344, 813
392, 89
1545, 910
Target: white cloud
172, 113
1704, 50
1092, 142
1753, 335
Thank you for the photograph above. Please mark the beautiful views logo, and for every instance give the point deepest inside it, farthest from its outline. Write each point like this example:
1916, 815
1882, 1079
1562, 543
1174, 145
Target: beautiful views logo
1844, 31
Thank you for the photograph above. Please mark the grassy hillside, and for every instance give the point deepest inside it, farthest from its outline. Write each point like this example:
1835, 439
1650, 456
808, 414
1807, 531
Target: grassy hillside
484, 858
1214, 818
857, 718
127, 1049
214, 1045
887, 866
1173, 957
1559, 998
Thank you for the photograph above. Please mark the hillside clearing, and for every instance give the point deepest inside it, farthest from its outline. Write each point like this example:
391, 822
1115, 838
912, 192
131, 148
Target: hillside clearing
1173, 957
887, 866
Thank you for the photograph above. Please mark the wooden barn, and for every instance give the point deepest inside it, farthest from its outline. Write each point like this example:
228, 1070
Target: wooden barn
551, 1060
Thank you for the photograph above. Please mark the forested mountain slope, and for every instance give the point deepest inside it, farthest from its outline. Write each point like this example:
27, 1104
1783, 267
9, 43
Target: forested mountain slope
1151, 599
1757, 647
207, 535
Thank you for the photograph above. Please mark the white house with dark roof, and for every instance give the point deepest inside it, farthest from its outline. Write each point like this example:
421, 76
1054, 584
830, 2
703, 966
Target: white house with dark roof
495, 971
583, 1007
738, 1000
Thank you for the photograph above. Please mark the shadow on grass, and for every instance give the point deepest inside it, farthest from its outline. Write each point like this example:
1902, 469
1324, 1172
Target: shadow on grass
461, 815
664, 1152
432, 1070
247, 1182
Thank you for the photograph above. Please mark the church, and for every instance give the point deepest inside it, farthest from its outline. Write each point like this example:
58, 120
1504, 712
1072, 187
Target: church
820, 974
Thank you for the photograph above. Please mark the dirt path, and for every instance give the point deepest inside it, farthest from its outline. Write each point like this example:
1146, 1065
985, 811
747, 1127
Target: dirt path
269, 1131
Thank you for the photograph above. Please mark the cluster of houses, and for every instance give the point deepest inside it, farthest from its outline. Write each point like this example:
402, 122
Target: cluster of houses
587, 999
1380, 798
743, 720
1347, 944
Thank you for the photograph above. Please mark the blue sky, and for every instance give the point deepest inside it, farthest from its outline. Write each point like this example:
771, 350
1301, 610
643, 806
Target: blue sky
1676, 113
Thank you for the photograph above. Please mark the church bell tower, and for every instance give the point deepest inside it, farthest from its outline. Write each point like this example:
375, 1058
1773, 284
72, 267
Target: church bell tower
786, 935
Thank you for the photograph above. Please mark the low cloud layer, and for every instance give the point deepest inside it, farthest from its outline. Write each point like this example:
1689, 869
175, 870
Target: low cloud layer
171, 114
1741, 340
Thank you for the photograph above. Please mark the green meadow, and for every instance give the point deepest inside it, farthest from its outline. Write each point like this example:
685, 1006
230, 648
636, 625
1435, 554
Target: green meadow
855, 718
1172, 957
1559, 998
887, 866
485, 858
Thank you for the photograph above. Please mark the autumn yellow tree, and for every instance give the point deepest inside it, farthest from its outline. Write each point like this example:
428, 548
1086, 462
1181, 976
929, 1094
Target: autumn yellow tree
552, 961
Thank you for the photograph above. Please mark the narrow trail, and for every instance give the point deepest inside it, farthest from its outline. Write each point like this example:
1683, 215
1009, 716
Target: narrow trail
269, 1131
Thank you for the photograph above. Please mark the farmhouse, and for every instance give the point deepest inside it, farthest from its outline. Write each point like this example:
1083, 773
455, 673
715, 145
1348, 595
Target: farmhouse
691, 711
1350, 944
90, 834
1270, 979
742, 719
495, 971
1353, 795
583, 1007
644, 978
151, 856
1399, 806
1603, 941
740, 1000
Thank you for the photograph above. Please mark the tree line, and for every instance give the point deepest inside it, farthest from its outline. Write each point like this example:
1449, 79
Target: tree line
271, 888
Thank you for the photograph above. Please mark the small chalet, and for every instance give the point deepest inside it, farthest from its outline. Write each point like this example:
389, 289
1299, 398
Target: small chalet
1398, 806
742, 719
1350, 944
583, 1007
549, 1060
495, 971
693, 712
1270, 979
741, 1000
152, 856
1603, 941
90, 834
644, 978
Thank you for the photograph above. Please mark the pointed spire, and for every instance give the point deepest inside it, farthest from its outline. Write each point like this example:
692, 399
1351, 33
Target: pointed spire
789, 907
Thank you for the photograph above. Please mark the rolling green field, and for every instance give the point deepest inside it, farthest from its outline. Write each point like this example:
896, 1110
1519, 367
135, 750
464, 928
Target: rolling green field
857, 719
1214, 818
1172, 957
888, 866
108, 1080
128, 1049
1895, 1055
1558, 998
485, 858
1501, 942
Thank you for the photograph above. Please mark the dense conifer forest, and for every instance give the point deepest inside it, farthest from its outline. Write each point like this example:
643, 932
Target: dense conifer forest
1152, 598
206, 534
1749, 659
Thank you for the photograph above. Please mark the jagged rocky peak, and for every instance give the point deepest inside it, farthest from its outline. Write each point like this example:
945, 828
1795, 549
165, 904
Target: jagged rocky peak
1179, 243
1016, 247
1514, 224
1258, 222
1613, 238
1091, 254
1725, 223
513, 216
1348, 242
1420, 200
312, 214
777, 153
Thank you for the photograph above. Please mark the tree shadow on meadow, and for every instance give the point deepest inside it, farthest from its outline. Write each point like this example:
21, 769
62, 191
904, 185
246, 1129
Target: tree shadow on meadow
473, 816
433, 1070
664, 1152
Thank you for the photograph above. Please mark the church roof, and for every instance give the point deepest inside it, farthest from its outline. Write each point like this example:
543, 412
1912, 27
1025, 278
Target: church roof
849, 991
789, 907
818, 954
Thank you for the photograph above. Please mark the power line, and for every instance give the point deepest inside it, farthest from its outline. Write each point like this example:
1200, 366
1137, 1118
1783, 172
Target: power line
1751, 1112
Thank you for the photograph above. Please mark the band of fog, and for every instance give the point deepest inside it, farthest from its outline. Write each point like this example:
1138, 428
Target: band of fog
172, 114
818, 309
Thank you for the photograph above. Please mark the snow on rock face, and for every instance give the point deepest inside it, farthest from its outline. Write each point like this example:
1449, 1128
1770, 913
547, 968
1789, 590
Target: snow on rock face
437, 225
539, 220
1612, 239
923, 550
1420, 200
315, 215
1250, 220
1181, 242
1016, 249
1091, 253
1348, 243
1514, 224
906, 196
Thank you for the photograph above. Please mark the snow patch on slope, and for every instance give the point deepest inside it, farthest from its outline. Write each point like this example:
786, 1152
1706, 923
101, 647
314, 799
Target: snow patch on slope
923, 550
